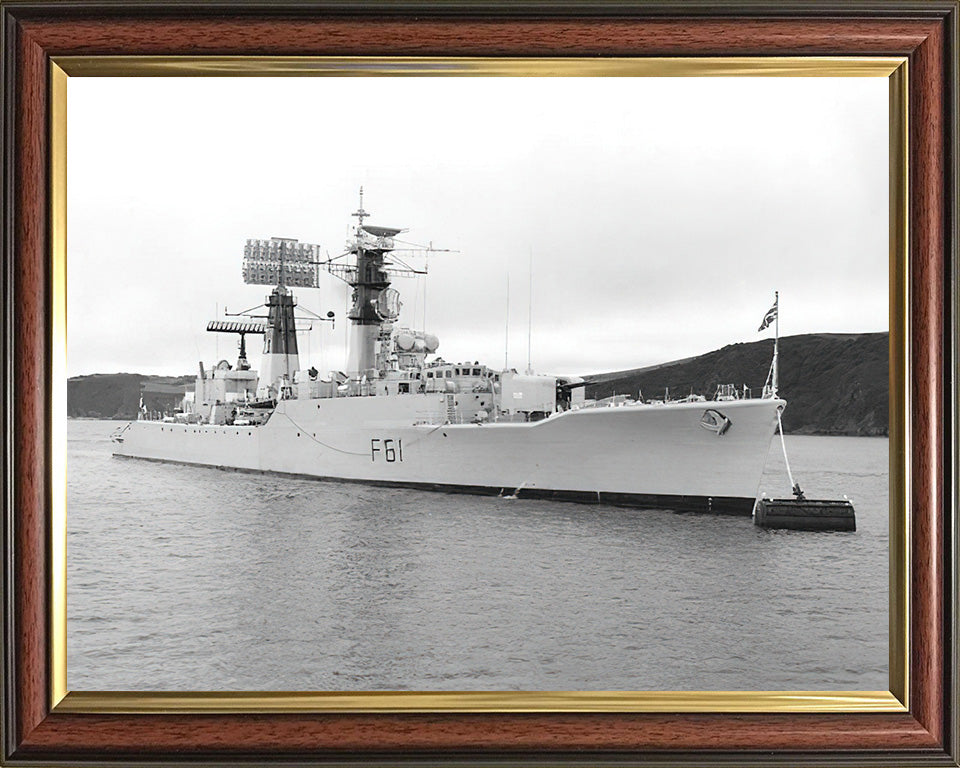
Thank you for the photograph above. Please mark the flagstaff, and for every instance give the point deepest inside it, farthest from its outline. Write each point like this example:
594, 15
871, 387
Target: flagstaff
776, 341
772, 316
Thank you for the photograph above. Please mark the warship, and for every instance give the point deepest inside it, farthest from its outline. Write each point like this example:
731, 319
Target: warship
401, 415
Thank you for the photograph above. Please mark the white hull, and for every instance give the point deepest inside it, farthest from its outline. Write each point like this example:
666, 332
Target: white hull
643, 455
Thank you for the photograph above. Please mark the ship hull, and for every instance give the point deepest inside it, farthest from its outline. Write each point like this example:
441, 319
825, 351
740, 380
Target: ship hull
651, 456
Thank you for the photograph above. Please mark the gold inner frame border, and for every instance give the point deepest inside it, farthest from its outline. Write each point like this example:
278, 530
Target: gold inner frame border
895, 69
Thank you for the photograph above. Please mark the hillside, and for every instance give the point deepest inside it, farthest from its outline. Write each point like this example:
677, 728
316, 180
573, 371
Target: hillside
117, 395
834, 384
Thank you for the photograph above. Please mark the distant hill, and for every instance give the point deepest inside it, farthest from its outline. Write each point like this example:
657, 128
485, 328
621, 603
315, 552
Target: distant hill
117, 395
834, 384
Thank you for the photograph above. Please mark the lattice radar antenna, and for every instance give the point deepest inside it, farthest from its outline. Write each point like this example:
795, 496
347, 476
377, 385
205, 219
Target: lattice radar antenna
281, 261
284, 262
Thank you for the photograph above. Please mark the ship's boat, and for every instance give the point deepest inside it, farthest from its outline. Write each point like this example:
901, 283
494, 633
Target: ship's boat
402, 415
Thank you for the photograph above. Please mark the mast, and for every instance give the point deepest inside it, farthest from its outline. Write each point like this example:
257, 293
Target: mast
506, 331
530, 316
373, 307
369, 279
283, 263
360, 213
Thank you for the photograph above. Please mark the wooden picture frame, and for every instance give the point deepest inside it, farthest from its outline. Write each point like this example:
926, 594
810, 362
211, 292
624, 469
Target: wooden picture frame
39, 728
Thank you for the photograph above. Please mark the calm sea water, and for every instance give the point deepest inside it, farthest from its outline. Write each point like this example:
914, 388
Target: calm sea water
184, 578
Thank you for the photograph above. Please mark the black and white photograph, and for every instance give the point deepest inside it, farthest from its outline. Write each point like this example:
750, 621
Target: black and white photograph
478, 384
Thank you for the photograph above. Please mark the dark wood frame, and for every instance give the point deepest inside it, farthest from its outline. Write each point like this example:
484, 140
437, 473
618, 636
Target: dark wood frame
926, 32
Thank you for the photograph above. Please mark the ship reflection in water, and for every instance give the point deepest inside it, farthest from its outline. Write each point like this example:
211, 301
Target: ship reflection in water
191, 578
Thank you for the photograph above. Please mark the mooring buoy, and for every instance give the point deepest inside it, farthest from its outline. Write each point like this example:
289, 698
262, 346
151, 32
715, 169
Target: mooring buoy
801, 513
804, 514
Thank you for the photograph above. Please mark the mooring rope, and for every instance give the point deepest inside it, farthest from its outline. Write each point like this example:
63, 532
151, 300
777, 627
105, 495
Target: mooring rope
784, 446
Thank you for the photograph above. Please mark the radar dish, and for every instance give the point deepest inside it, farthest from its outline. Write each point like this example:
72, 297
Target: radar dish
388, 304
406, 341
381, 231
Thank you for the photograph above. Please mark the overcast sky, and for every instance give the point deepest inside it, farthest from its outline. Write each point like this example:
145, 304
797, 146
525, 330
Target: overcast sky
661, 213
